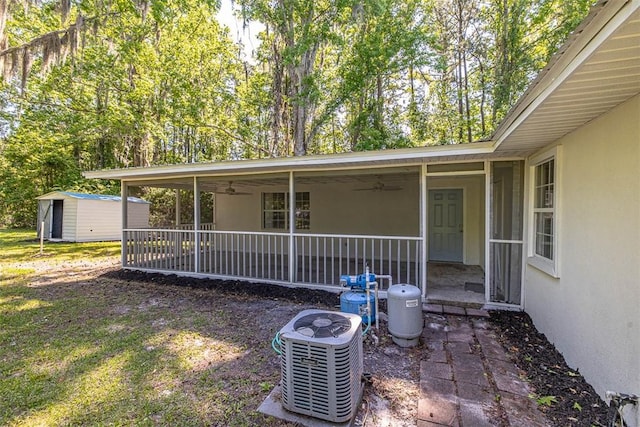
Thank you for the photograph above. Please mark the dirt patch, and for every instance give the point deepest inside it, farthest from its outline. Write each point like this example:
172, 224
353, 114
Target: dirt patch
562, 393
391, 395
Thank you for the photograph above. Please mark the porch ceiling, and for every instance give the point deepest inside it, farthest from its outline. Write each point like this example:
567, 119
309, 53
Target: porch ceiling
245, 183
598, 69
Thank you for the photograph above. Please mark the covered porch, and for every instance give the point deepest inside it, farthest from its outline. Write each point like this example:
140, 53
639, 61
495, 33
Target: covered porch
398, 218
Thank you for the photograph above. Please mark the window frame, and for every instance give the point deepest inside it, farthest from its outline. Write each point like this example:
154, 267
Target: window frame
551, 266
301, 209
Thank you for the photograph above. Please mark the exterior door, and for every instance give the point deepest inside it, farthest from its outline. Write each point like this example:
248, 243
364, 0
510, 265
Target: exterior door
56, 228
445, 225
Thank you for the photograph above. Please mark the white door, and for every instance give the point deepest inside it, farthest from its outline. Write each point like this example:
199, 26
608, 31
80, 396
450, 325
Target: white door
445, 225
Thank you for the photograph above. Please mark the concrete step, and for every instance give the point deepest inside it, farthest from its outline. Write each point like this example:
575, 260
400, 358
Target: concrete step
463, 304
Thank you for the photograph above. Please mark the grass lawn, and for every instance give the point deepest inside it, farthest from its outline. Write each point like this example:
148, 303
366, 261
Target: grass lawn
23, 246
77, 347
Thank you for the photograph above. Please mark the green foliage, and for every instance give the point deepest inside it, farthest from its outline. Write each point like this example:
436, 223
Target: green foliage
546, 400
163, 83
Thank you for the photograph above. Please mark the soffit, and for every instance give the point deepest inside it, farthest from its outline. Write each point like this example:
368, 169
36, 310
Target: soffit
606, 78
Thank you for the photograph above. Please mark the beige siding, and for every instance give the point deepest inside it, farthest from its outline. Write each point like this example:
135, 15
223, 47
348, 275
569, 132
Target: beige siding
102, 219
69, 219
591, 313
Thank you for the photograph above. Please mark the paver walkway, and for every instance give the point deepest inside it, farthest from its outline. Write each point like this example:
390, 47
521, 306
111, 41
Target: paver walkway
468, 379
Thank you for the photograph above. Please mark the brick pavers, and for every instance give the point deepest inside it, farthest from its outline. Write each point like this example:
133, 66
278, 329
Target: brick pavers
467, 380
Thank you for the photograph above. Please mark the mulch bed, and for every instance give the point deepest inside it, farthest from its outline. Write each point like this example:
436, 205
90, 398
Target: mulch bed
563, 394
232, 287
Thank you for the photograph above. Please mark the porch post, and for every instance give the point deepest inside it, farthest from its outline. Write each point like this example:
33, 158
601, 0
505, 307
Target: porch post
292, 227
124, 198
178, 208
196, 224
213, 211
423, 229
487, 230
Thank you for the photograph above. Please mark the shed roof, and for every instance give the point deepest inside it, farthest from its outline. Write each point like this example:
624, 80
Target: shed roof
86, 196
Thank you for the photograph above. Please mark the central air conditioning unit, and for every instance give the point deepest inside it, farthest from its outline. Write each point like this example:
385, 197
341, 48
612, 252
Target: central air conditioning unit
321, 364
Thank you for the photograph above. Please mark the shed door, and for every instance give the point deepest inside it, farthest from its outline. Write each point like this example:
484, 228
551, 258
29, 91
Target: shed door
445, 225
56, 229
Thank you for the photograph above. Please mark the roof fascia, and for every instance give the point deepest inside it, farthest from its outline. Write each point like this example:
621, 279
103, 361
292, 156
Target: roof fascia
319, 162
573, 54
49, 194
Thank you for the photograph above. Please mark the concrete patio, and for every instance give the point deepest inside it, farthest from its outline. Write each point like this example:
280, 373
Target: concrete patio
455, 283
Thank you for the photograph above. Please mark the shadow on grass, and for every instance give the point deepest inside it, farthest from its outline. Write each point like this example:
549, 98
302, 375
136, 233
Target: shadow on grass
106, 351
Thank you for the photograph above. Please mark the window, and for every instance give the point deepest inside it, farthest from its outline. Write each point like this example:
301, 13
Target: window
543, 209
275, 211
544, 221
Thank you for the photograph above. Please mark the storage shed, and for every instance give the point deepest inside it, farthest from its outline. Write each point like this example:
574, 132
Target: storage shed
80, 217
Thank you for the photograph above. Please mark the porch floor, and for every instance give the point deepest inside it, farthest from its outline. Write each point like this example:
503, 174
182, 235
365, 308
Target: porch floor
455, 284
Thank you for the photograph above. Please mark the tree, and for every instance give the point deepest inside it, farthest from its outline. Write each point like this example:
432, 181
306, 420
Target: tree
141, 82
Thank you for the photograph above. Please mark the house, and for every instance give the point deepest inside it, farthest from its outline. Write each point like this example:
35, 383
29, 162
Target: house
549, 208
79, 217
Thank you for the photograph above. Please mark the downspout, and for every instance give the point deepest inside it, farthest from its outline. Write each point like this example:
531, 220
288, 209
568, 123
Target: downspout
292, 227
124, 200
196, 224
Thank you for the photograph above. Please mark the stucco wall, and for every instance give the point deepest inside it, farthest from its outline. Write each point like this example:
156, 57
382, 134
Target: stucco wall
335, 208
592, 312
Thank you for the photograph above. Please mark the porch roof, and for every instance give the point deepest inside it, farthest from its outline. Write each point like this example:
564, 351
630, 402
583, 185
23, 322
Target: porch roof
353, 160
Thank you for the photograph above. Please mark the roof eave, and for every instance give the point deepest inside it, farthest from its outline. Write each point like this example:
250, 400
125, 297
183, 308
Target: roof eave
330, 161
605, 18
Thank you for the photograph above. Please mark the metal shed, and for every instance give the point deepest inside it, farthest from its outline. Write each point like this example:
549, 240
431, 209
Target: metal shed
81, 217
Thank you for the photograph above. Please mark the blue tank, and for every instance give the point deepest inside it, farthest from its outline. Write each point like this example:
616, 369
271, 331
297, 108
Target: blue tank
356, 303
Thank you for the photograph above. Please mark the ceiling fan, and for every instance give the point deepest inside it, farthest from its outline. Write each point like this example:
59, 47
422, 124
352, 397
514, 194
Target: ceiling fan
230, 191
380, 186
